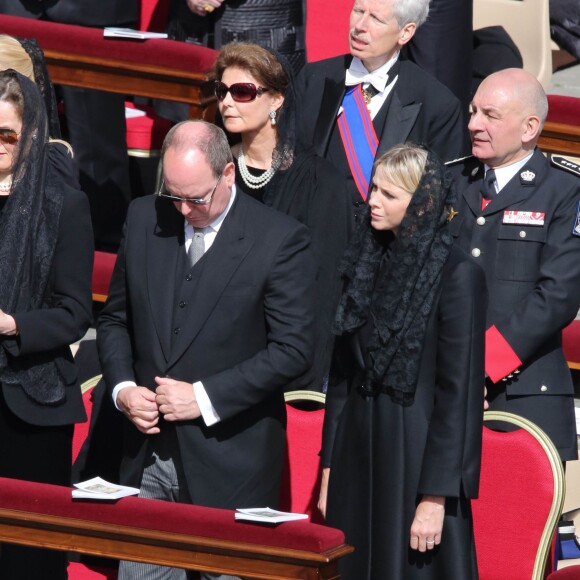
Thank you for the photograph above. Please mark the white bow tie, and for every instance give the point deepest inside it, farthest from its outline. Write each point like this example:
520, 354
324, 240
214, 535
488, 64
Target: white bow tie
357, 77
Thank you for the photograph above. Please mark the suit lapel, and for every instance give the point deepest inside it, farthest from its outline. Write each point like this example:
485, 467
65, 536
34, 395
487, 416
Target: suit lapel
332, 96
399, 122
219, 265
162, 252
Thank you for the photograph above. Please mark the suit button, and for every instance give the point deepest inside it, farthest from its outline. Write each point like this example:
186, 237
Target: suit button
476, 252
480, 221
189, 277
522, 234
182, 304
543, 388
176, 330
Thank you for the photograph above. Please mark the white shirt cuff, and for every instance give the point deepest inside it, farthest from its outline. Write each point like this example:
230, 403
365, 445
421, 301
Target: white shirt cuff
119, 387
208, 412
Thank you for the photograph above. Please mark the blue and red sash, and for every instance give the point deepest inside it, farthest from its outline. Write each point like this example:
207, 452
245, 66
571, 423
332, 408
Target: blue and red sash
358, 137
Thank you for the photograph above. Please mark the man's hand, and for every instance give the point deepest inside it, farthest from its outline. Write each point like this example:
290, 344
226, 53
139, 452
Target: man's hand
203, 7
138, 404
427, 525
323, 491
485, 403
176, 400
7, 324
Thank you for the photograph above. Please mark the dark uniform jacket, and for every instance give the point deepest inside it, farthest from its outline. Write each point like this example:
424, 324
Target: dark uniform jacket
528, 243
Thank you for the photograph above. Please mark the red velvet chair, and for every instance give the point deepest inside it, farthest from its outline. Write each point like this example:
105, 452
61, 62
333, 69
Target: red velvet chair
301, 477
102, 272
521, 495
78, 570
327, 28
568, 573
563, 109
571, 344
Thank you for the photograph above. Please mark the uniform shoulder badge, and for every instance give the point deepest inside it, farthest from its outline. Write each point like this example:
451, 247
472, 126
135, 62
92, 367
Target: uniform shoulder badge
565, 164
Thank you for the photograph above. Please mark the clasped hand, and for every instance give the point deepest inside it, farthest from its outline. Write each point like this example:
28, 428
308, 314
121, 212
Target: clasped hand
7, 324
175, 400
203, 7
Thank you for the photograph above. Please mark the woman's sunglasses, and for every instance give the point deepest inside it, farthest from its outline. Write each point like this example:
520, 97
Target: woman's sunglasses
241, 92
8, 136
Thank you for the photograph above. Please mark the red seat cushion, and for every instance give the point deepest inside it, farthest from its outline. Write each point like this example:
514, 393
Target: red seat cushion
567, 573
166, 517
564, 109
146, 131
90, 42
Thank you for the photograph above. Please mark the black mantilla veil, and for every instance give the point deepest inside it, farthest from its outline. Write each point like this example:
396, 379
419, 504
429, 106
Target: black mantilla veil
43, 83
29, 227
395, 280
283, 154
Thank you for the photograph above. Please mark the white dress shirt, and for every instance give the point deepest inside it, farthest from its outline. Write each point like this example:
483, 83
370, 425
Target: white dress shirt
504, 174
379, 78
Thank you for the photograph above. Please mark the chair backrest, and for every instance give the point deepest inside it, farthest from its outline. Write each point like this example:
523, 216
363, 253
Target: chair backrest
81, 430
571, 343
301, 477
154, 15
528, 24
327, 28
521, 495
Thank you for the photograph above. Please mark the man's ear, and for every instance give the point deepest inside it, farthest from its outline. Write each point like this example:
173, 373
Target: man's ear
531, 129
406, 33
229, 174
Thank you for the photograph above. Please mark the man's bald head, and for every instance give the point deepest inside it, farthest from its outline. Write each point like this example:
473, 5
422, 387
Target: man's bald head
507, 116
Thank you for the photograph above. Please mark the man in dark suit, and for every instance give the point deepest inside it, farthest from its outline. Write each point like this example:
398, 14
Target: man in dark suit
95, 119
392, 100
197, 356
518, 216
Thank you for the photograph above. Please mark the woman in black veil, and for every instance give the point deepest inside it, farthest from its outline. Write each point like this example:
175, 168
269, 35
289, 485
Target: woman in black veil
255, 92
46, 256
402, 431
25, 56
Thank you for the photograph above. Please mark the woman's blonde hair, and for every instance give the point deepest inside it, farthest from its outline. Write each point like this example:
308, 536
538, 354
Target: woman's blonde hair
13, 55
403, 165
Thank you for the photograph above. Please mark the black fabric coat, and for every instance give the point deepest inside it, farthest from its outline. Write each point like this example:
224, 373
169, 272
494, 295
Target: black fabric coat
384, 456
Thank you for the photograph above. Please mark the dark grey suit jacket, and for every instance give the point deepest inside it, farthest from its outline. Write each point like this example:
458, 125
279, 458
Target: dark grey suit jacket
246, 331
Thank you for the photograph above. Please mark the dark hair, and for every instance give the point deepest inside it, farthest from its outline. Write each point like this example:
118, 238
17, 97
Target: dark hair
261, 63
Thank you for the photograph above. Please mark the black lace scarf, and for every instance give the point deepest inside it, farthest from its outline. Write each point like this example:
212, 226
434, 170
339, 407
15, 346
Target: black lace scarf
29, 225
396, 280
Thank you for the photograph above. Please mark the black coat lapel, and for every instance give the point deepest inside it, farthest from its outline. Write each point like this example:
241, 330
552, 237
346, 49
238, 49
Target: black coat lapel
163, 249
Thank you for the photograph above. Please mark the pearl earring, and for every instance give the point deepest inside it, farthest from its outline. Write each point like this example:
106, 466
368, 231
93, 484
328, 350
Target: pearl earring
273, 118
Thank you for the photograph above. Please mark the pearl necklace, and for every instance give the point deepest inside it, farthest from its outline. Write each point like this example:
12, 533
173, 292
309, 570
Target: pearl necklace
252, 181
6, 187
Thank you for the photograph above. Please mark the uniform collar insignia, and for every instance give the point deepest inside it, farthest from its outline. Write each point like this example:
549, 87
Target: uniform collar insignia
527, 176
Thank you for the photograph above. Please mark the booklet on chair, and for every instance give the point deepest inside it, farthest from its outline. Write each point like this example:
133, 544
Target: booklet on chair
267, 515
98, 488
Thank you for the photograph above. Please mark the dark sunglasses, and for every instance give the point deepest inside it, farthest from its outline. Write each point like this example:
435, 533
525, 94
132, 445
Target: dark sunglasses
8, 136
241, 92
